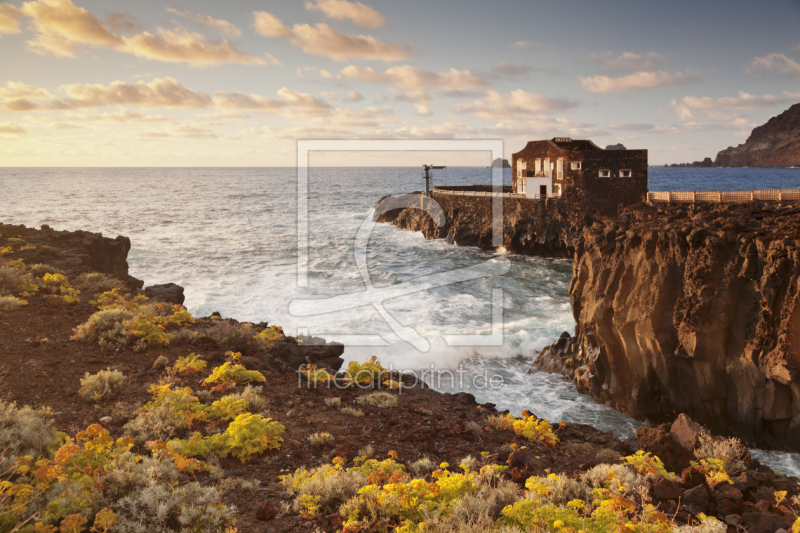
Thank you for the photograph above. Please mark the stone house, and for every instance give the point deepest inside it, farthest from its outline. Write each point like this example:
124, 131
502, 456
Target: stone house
581, 170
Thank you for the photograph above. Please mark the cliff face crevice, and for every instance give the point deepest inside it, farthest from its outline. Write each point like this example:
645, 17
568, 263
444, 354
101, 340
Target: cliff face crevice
774, 144
690, 309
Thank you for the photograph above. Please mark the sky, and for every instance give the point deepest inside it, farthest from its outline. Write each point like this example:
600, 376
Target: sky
238, 82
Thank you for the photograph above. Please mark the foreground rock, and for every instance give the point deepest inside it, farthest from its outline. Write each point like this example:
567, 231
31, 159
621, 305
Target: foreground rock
775, 144
690, 309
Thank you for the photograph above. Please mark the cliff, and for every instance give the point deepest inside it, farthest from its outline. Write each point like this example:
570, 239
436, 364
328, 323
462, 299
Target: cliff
690, 309
775, 144
529, 226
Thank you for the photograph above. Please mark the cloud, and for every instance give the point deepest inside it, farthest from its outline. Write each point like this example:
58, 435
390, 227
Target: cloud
637, 81
329, 95
17, 89
322, 40
642, 127
354, 96
628, 61
776, 65
287, 101
181, 46
414, 81
362, 15
423, 110
123, 115
9, 19
516, 105
160, 92
543, 126
12, 129
61, 27
685, 107
123, 22
526, 44
222, 26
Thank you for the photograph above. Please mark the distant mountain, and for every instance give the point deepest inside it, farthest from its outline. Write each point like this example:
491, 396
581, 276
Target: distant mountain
618, 146
497, 163
775, 144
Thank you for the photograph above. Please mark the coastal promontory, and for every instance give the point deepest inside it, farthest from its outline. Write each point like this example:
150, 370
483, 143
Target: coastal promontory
774, 144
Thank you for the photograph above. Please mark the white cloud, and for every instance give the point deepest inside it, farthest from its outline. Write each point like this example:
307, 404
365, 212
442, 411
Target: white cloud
526, 44
514, 106
329, 95
222, 26
322, 40
423, 110
777, 65
354, 96
9, 18
543, 126
637, 81
60, 28
686, 107
181, 46
12, 129
122, 115
165, 93
414, 81
628, 61
643, 127
17, 89
362, 15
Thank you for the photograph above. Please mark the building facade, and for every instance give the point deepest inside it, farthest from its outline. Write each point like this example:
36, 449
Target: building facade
581, 170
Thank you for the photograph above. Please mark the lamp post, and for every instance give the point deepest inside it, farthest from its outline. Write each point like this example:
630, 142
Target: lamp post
428, 177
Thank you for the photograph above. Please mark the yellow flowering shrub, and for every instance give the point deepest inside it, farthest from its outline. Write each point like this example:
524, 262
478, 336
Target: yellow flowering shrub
648, 464
189, 364
536, 430
269, 336
367, 373
228, 375
67, 292
247, 435
316, 375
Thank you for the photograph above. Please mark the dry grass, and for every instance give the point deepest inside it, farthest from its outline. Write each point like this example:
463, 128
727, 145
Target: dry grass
352, 411
320, 439
101, 386
730, 450
378, 399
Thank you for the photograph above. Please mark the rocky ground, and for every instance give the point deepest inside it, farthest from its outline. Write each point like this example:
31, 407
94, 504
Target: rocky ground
40, 365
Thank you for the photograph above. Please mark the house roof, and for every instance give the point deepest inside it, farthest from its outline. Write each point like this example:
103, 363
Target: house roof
565, 143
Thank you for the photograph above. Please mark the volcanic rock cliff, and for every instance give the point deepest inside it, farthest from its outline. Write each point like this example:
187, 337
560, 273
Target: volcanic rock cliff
775, 144
530, 226
691, 309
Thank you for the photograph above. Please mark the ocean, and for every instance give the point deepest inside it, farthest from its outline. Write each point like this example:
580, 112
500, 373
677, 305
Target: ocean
229, 236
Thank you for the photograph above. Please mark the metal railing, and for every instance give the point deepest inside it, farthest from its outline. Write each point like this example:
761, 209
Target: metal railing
724, 196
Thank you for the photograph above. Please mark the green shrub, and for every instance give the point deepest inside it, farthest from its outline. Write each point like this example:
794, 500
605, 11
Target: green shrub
11, 279
729, 450
39, 270
106, 328
101, 386
168, 411
23, 431
235, 337
352, 411
95, 283
10, 303
320, 439
255, 400
190, 364
247, 436
378, 399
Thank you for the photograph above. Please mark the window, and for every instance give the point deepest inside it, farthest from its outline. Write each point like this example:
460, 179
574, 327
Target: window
556, 190
625, 173
605, 173
575, 165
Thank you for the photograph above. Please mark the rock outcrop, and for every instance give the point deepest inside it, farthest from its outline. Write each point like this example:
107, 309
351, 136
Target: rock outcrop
73, 251
691, 309
530, 226
775, 144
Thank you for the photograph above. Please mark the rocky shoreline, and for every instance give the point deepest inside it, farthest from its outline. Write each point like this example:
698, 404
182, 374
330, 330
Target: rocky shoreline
43, 365
691, 309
